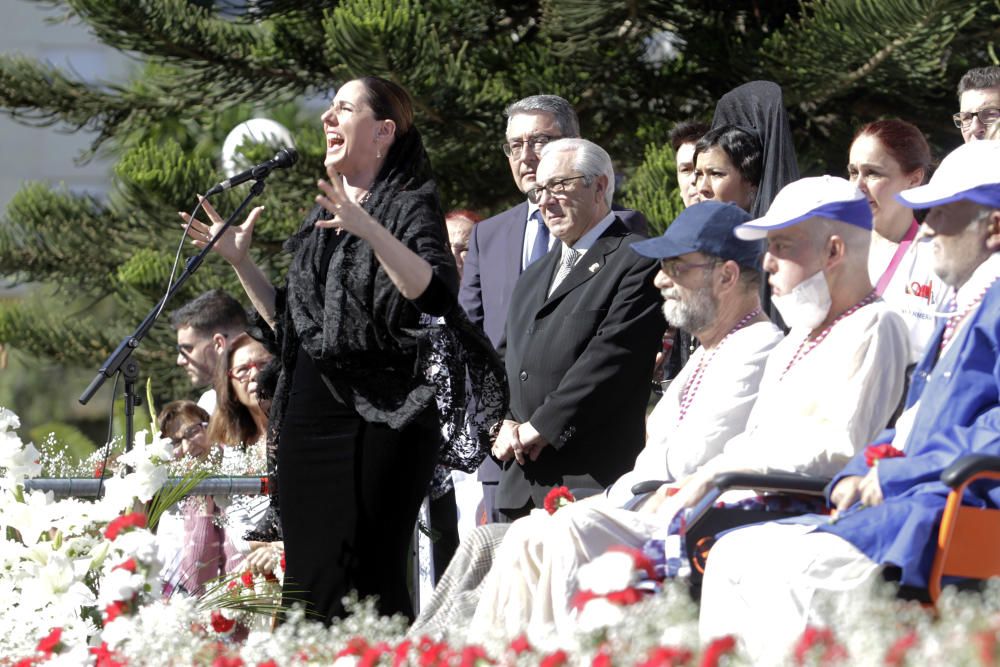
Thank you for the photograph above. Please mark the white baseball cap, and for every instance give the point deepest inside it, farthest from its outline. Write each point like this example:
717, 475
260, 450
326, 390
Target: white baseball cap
971, 171
820, 196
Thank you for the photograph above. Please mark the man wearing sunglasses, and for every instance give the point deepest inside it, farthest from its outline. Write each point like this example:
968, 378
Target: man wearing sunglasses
979, 102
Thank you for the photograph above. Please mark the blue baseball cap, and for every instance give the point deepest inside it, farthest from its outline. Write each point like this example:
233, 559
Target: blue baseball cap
706, 227
828, 197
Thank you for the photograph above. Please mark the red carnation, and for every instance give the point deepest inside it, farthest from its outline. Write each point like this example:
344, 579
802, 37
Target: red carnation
49, 644
106, 657
823, 638
221, 624
986, 643
355, 646
122, 523
667, 656
247, 579
520, 644
129, 566
433, 653
896, 655
602, 659
641, 560
400, 653
718, 648
267, 663
114, 610
472, 655
228, 661
556, 498
555, 659
875, 453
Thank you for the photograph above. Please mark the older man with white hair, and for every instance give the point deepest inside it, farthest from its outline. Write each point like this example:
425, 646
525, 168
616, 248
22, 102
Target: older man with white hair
582, 335
764, 583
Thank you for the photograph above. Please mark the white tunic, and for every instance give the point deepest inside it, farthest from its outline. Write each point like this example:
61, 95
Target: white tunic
810, 419
832, 402
718, 411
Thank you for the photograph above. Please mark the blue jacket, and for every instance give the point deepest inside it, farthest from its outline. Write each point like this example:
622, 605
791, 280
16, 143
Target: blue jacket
959, 414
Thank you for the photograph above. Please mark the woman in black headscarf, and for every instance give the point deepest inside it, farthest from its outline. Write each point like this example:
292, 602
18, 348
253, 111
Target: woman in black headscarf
370, 383
759, 107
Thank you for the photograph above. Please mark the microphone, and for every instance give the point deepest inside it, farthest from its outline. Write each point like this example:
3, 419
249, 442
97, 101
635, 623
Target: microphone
284, 158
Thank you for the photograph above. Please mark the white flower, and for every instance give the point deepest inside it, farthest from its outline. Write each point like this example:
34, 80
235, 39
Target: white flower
20, 461
599, 613
120, 584
30, 518
117, 632
8, 420
55, 582
74, 655
609, 572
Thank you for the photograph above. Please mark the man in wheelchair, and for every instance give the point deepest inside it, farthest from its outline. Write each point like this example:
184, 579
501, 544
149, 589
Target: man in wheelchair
763, 583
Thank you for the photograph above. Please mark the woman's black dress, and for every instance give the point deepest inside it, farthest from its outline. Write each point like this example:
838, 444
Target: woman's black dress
355, 416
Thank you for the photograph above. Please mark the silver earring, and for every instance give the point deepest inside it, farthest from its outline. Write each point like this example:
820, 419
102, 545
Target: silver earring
378, 153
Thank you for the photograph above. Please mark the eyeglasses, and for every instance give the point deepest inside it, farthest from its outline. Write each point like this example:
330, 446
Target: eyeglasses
986, 116
242, 372
537, 142
556, 187
189, 433
675, 267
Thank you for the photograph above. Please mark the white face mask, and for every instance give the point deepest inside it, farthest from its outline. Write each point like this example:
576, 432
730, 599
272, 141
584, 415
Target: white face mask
807, 305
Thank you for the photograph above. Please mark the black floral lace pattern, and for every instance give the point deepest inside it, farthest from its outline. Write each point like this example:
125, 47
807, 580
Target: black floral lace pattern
471, 394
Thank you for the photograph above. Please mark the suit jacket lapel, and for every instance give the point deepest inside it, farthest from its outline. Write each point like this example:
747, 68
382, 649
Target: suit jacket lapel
547, 266
592, 261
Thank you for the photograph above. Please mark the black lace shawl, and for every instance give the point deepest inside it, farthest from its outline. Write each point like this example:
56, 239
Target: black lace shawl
368, 341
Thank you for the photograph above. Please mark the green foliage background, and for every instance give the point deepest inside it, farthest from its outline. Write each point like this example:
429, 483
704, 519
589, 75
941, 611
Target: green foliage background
632, 68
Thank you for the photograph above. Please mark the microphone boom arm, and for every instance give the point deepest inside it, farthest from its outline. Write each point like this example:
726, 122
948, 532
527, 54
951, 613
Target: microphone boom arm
114, 362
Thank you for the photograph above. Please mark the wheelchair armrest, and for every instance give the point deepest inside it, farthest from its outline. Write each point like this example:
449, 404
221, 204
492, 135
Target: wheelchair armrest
774, 482
585, 492
968, 467
777, 481
648, 486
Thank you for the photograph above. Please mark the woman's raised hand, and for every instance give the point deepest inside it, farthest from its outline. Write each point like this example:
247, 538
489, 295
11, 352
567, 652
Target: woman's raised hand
234, 244
347, 215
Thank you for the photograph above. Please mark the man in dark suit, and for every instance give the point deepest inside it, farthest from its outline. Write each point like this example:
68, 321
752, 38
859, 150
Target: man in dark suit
501, 247
584, 327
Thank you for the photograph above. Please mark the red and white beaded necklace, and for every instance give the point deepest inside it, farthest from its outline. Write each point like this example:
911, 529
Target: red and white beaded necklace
809, 344
956, 319
690, 388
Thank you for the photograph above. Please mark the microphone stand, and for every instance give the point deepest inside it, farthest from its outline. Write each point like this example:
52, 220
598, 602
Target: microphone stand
120, 360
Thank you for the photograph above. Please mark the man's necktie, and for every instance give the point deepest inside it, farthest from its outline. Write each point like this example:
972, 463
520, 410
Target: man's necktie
566, 263
541, 244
